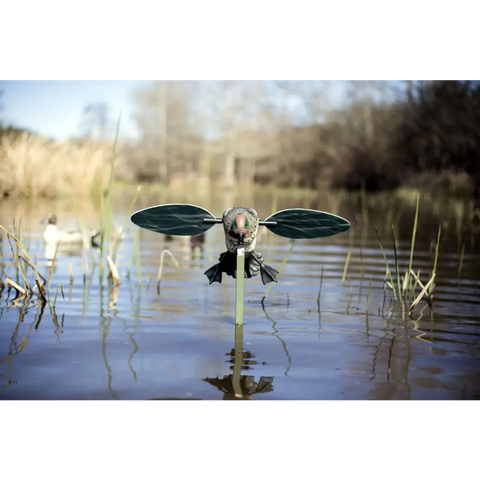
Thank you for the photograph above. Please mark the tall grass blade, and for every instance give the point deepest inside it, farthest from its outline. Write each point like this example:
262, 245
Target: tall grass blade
397, 268
107, 210
386, 263
52, 267
56, 293
437, 247
422, 293
414, 234
116, 239
19, 267
345, 268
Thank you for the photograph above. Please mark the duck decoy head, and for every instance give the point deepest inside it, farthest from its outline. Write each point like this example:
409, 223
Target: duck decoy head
50, 219
241, 226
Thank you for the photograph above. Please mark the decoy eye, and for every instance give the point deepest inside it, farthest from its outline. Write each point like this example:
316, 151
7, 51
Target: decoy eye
234, 224
246, 223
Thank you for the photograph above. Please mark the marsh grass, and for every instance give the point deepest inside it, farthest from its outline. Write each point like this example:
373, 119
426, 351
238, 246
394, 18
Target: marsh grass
20, 256
32, 167
106, 209
60, 286
404, 289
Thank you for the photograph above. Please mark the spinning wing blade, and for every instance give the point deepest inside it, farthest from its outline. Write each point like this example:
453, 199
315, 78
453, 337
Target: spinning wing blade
174, 219
305, 223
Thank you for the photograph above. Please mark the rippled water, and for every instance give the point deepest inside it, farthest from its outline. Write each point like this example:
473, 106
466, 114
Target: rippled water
312, 338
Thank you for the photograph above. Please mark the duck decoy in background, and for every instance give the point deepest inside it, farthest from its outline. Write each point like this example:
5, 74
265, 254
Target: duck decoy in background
240, 226
194, 244
52, 235
197, 241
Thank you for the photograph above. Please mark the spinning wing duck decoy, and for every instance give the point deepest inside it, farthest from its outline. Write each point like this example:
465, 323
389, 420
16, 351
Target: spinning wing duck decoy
240, 226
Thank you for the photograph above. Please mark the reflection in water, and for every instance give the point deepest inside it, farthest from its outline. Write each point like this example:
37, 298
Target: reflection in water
175, 400
237, 386
284, 345
15, 348
105, 324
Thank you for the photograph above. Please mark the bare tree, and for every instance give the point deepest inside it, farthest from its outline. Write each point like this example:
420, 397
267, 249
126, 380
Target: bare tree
95, 122
170, 139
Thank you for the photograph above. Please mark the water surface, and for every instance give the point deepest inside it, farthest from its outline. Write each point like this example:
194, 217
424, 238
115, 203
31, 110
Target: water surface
312, 338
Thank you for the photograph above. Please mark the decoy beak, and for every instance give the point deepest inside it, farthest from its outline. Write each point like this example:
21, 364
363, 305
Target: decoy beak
240, 238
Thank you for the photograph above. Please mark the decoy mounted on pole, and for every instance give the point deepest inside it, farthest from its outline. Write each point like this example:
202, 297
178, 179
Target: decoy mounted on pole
240, 225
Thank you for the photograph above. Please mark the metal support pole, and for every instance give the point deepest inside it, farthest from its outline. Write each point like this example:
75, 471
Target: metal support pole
240, 282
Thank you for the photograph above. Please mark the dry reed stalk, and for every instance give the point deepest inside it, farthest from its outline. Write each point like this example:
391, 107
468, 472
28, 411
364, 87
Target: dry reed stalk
160, 268
17, 287
29, 262
113, 272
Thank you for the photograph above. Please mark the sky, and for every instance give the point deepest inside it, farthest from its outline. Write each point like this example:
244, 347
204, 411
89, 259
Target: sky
52, 106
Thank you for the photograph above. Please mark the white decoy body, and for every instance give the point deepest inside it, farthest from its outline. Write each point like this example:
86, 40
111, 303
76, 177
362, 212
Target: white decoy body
52, 235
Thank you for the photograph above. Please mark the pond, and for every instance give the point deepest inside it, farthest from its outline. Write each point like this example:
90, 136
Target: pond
329, 329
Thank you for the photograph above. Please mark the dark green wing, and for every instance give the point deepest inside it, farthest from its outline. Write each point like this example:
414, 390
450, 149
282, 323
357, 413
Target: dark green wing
306, 223
174, 219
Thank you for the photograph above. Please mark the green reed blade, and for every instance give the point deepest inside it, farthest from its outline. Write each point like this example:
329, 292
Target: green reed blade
345, 268
414, 233
437, 247
386, 263
397, 269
